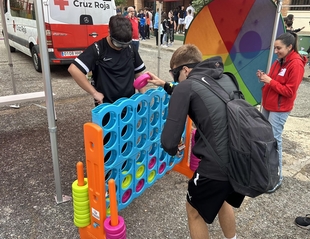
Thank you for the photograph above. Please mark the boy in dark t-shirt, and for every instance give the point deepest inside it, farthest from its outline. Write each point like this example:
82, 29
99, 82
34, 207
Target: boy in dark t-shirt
114, 62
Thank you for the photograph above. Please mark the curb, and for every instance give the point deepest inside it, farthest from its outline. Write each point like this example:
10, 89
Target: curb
151, 43
147, 46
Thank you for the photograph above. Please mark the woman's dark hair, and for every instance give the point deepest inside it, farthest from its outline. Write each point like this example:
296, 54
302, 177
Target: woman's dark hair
163, 16
120, 28
289, 38
289, 23
290, 17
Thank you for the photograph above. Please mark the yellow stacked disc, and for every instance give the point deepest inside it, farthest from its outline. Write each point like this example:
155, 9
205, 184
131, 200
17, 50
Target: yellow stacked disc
81, 204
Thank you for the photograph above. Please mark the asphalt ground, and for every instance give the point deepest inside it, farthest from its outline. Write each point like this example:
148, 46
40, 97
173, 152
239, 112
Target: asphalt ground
28, 209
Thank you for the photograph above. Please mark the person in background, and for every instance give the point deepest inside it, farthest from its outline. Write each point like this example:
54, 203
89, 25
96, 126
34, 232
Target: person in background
118, 11
280, 87
117, 68
135, 26
150, 12
190, 7
209, 191
141, 17
290, 17
188, 19
165, 30
176, 19
134, 7
125, 13
288, 22
172, 28
181, 17
156, 25
289, 27
148, 23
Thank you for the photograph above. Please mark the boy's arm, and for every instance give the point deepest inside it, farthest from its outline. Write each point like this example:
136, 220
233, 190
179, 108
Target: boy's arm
82, 81
168, 87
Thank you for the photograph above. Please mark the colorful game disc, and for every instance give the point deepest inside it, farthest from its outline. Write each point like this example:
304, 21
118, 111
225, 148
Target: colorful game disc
141, 81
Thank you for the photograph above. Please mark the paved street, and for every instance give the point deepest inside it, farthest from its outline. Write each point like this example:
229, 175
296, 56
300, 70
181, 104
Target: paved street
27, 205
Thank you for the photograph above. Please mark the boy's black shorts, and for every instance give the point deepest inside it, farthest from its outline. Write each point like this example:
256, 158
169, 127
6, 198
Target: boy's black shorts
207, 196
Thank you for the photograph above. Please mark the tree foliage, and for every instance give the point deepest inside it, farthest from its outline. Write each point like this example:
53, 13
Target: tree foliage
199, 4
120, 2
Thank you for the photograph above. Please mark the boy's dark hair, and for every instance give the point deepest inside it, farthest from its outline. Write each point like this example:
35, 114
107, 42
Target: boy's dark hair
120, 28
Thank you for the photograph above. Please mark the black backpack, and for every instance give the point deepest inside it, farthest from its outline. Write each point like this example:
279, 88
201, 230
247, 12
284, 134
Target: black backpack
253, 166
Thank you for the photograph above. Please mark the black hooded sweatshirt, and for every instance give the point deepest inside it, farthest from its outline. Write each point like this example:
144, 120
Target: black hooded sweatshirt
208, 113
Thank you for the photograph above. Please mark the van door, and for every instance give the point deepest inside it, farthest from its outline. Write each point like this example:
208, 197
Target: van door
74, 25
21, 24
10, 24
100, 13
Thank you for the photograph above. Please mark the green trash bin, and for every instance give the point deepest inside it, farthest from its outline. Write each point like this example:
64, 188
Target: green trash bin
303, 42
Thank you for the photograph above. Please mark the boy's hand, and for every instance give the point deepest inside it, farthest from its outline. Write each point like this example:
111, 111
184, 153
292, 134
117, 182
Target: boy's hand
98, 97
181, 148
155, 80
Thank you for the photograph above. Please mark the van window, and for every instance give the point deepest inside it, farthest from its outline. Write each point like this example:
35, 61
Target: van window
22, 8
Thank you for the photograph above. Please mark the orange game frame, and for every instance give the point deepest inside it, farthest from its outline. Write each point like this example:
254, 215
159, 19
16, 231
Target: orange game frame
94, 151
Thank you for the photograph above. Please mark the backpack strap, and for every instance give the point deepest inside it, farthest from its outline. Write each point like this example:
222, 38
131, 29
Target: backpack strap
218, 90
233, 78
97, 51
221, 93
132, 53
224, 96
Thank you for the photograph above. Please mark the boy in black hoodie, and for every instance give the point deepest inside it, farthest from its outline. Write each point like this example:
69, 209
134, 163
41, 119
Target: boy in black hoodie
209, 191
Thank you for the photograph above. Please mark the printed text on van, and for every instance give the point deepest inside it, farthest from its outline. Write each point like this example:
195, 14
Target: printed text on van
103, 5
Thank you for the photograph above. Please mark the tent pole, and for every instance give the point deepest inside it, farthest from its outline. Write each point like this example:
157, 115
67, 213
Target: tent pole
159, 38
6, 42
49, 100
274, 34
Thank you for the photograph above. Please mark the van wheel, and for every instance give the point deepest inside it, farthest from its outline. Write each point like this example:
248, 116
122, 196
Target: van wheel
36, 59
12, 49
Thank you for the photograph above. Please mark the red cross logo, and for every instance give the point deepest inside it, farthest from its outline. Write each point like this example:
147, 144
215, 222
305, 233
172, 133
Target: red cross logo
61, 4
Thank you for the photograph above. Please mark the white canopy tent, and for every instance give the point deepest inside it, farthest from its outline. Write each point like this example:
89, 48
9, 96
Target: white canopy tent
274, 34
158, 35
47, 90
48, 87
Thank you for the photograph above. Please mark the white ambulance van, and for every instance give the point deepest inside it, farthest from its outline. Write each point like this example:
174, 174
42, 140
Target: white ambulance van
71, 26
